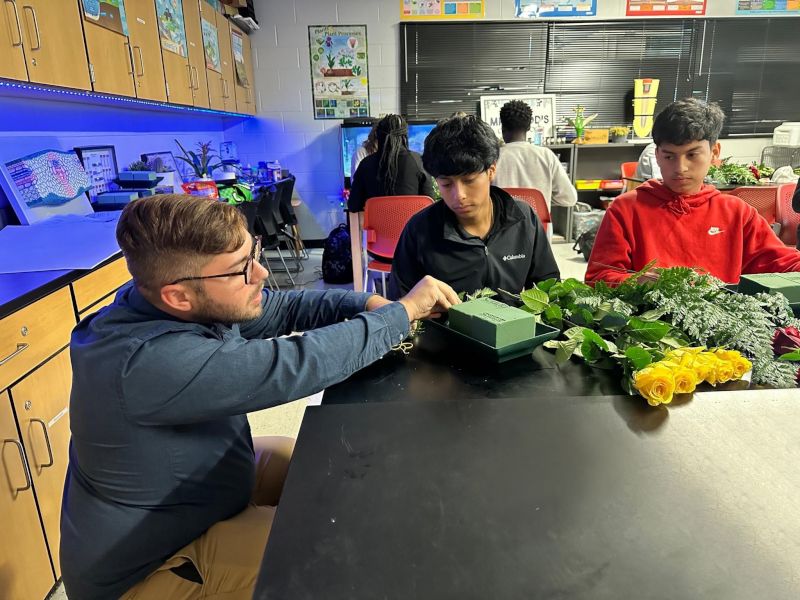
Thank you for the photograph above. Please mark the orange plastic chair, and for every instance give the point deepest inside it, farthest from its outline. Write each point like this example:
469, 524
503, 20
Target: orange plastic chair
384, 220
764, 198
628, 170
787, 217
535, 199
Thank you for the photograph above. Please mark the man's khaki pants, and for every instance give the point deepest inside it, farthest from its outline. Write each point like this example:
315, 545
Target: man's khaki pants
228, 555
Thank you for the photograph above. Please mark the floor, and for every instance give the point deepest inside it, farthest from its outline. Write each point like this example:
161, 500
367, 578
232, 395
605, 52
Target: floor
285, 420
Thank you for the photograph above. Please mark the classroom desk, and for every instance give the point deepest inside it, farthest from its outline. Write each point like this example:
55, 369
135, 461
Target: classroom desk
542, 496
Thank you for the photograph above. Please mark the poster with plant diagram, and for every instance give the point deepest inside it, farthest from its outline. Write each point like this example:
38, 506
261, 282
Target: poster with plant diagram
339, 79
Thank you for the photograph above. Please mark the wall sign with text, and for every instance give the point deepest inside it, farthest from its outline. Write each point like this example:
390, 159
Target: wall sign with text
542, 105
533, 9
441, 9
339, 78
762, 7
665, 8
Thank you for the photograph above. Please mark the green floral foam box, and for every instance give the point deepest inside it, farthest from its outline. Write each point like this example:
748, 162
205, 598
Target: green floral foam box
787, 284
492, 322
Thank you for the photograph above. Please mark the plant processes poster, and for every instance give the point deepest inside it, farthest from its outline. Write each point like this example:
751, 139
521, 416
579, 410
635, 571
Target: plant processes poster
532, 9
665, 8
339, 79
441, 9
762, 7
106, 13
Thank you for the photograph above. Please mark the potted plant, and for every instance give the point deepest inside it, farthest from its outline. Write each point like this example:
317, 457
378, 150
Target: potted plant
619, 134
200, 162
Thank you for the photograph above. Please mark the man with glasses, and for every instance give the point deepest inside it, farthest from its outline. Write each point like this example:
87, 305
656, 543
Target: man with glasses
167, 494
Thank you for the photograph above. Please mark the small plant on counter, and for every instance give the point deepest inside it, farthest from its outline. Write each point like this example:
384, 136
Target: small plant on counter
200, 161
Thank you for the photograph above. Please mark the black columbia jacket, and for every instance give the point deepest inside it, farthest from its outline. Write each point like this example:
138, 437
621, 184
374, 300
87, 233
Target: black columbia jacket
515, 255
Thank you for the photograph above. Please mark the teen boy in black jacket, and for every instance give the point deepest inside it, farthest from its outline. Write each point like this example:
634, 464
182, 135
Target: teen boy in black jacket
478, 235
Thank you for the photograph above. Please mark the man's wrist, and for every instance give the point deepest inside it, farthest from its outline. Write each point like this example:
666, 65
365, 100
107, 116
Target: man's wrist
409, 309
375, 301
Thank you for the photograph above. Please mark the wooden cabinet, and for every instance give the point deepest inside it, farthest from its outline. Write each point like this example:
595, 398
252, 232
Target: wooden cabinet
226, 58
41, 405
12, 54
52, 37
216, 83
25, 570
95, 285
197, 58
245, 95
146, 47
110, 60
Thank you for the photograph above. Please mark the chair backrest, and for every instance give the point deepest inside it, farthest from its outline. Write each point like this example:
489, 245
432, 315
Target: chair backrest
628, 170
777, 156
764, 198
787, 217
285, 201
535, 199
384, 220
265, 224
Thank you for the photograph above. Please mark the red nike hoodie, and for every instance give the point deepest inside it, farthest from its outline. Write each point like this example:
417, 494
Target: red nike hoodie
709, 230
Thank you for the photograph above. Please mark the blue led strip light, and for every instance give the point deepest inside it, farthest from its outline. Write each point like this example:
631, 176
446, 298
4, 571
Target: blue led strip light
111, 99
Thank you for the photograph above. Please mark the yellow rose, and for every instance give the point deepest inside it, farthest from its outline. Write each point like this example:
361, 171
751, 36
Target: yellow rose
685, 380
724, 371
686, 351
705, 365
655, 383
741, 366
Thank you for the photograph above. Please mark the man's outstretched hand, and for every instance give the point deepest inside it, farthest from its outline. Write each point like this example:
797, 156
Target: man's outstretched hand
429, 298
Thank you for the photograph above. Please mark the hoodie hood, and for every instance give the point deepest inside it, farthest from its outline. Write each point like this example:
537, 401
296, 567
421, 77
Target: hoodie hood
675, 203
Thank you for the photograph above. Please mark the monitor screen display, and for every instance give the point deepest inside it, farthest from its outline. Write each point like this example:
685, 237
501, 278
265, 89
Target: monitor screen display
353, 136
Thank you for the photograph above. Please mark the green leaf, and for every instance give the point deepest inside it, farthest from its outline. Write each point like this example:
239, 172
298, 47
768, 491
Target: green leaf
591, 353
582, 316
575, 333
554, 315
639, 357
672, 342
564, 349
651, 315
535, 300
793, 355
593, 337
613, 321
547, 284
648, 331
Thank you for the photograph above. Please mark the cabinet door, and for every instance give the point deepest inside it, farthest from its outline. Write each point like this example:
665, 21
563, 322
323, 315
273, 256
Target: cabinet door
53, 39
197, 58
12, 55
41, 403
110, 59
180, 78
25, 570
146, 46
243, 72
226, 58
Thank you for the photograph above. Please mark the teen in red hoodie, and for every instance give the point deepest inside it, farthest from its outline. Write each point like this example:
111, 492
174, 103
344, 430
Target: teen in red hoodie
681, 221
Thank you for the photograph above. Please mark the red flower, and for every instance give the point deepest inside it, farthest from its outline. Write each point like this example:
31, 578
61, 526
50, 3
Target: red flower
785, 340
755, 172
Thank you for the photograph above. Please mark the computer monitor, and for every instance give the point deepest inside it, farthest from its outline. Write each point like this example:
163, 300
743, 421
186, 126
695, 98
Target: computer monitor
355, 134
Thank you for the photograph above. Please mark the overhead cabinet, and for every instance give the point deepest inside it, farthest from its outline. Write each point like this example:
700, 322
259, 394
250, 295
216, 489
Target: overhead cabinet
148, 69
197, 58
12, 54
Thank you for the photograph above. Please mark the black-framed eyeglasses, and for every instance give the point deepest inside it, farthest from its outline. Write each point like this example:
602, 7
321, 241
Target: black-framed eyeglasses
247, 272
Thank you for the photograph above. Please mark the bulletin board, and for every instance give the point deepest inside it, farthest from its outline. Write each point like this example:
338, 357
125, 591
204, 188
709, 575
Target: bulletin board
415, 10
768, 7
532, 9
665, 8
542, 105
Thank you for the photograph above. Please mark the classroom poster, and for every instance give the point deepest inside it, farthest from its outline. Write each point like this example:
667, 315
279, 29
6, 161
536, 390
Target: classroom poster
237, 41
170, 26
211, 46
106, 13
542, 105
339, 77
441, 9
532, 9
760, 7
665, 8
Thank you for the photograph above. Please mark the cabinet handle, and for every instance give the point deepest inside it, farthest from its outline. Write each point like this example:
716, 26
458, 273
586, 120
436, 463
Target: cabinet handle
47, 441
130, 58
20, 349
28, 480
35, 26
191, 79
196, 78
141, 60
16, 18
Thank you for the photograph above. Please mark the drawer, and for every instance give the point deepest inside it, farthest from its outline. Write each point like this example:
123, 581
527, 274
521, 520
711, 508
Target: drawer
98, 284
30, 335
97, 306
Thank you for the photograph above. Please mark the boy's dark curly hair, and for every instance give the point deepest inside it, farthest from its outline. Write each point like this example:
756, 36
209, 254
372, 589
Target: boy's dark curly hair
688, 120
516, 116
460, 146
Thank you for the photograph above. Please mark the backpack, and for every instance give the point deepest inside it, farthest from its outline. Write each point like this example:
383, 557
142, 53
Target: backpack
585, 242
337, 266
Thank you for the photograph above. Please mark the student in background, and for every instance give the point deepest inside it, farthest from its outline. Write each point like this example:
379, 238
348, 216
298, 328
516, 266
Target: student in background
647, 167
478, 235
681, 221
370, 146
393, 170
525, 165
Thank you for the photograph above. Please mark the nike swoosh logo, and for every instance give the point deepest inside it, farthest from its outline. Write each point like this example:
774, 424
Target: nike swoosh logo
715, 231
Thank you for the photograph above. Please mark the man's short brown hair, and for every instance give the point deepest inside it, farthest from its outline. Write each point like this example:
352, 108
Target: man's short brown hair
170, 236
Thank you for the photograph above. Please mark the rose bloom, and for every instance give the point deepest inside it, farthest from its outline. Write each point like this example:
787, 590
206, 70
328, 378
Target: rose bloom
655, 383
724, 371
685, 380
785, 339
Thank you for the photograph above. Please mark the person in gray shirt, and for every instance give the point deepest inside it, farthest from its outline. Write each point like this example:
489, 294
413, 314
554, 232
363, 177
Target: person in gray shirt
166, 494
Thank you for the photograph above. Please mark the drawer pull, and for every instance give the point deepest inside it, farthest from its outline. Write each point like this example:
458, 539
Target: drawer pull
20, 349
28, 481
47, 441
